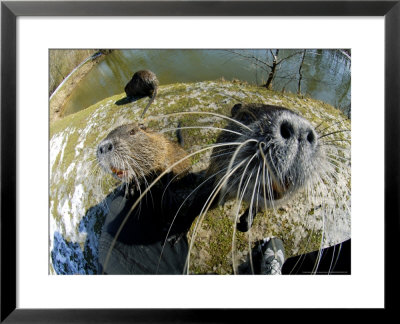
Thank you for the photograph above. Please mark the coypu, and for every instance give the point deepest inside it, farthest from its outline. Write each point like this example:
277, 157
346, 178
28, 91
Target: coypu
136, 156
131, 153
266, 155
276, 146
263, 157
144, 83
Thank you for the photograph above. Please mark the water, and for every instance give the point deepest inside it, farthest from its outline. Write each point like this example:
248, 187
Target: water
326, 73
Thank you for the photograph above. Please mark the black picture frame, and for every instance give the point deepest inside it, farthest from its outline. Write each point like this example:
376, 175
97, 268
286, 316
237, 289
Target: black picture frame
9, 13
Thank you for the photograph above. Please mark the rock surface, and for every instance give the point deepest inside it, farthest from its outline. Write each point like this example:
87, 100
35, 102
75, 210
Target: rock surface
79, 189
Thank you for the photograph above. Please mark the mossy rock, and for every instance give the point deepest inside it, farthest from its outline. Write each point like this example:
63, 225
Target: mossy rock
78, 188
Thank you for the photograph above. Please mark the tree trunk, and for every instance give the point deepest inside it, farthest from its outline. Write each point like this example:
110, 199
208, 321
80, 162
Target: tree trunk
300, 74
271, 75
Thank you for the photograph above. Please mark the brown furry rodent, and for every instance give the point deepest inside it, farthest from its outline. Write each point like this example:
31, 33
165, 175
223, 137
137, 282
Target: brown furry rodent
131, 153
144, 83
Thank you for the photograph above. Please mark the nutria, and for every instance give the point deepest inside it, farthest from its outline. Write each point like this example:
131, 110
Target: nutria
269, 154
144, 83
131, 153
148, 234
274, 153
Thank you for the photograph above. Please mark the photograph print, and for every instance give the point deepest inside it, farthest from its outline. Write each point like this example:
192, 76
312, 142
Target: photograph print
225, 162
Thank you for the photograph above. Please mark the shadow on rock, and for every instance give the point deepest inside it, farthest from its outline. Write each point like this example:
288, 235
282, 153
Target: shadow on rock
68, 257
127, 100
152, 240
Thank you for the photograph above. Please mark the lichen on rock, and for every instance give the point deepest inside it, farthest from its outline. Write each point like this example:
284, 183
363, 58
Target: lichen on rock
79, 189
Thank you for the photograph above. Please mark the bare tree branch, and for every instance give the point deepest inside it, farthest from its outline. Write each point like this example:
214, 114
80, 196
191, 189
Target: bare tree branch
289, 56
252, 57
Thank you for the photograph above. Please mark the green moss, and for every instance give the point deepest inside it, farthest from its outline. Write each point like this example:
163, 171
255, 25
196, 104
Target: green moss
79, 120
219, 97
219, 246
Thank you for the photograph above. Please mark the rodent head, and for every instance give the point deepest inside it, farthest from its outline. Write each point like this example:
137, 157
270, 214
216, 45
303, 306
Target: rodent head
143, 83
128, 153
280, 152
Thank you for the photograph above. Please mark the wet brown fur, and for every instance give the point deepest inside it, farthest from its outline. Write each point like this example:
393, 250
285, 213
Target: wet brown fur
151, 152
143, 84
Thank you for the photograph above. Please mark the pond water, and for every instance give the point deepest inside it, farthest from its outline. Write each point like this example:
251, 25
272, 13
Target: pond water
325, 73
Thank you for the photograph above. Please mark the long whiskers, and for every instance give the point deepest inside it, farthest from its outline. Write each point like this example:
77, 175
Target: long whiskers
209, 201
234, 157
205, 113
239, 202
179, 209
200, 127
148, 188
336, 132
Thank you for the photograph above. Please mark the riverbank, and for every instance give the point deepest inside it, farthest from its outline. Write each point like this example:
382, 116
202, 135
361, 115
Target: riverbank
60, 96
325, 75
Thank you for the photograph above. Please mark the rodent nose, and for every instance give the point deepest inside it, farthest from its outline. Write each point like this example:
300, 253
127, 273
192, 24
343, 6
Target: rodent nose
307, 135
286, 130
310, 136
289, 130
105, 147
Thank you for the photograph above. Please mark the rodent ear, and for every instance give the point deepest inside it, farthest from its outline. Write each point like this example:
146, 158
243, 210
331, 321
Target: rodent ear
134, 129
142, 126
245, 116
235, 109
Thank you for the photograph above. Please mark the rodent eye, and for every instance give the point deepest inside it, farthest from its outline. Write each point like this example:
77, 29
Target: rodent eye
132, 132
